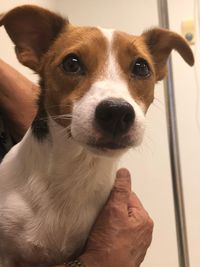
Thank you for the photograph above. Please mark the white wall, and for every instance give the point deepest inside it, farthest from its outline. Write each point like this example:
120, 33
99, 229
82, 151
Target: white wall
187, 97
149, 164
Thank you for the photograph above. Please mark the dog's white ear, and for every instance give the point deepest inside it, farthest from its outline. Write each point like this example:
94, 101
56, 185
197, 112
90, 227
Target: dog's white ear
160, 43
32, 29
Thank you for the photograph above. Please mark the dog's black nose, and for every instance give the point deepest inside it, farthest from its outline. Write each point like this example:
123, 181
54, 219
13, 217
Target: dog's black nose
114, 116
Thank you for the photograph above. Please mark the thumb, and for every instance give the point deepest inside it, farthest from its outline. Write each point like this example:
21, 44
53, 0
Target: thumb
122, 187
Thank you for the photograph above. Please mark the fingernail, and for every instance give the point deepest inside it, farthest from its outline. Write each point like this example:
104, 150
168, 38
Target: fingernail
123, 172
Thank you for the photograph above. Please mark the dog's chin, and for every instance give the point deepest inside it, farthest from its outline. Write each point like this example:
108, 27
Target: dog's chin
111, 148
107, 146
106, 151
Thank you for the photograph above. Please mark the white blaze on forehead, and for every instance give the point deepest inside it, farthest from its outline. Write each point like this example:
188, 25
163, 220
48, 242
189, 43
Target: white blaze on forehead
112, 67
109, 85
108, 33
112, 83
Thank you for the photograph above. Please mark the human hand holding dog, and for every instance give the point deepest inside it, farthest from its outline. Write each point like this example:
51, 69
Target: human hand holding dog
123, 230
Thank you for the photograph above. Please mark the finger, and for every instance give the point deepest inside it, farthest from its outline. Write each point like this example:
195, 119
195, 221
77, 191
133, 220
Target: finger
122, 188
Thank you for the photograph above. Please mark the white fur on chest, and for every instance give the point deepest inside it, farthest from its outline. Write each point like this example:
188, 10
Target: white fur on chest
51, 193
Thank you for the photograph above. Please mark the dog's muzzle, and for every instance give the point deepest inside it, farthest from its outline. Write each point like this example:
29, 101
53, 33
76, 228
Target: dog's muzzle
113, 120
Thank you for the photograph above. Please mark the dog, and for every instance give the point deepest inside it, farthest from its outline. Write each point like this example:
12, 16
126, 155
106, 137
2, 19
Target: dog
96, 87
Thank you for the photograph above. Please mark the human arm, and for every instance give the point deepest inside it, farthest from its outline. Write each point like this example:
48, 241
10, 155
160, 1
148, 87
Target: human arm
17, 100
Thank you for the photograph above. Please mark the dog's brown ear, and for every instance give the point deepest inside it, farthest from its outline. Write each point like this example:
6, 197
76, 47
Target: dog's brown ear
160, 43
32, 29
1, 16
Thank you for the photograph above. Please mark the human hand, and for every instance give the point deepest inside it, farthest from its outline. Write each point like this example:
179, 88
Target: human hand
122, 232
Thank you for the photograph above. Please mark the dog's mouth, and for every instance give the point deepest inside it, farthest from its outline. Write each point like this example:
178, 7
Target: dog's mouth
114, 144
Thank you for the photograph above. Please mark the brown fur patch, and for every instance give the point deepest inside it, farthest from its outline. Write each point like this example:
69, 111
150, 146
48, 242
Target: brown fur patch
64, 89
127, 49
32, 29
160, 43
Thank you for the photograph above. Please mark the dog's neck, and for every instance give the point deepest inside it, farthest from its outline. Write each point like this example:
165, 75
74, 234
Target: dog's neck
58, 179
63, 163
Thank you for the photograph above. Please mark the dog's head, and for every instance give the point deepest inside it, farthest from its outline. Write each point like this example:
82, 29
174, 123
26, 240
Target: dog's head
99, 83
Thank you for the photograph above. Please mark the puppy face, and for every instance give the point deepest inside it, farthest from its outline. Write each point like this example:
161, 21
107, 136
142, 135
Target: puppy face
98, 83
104, 81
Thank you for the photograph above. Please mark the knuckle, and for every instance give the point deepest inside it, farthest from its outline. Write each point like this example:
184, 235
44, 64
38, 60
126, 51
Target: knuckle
150, 223
120, 189
119, 194
144, 219
116, 211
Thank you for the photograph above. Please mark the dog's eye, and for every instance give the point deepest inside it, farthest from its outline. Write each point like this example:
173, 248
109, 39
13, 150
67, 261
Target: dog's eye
141, 68
72, 65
